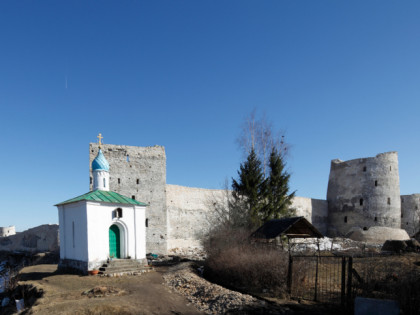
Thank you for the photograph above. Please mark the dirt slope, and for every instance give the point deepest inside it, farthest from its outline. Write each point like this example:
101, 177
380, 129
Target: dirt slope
63, 294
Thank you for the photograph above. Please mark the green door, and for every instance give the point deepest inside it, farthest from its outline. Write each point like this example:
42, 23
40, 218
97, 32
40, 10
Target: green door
114, 241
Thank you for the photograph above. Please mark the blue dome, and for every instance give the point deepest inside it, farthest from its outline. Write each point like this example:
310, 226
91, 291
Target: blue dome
100, 163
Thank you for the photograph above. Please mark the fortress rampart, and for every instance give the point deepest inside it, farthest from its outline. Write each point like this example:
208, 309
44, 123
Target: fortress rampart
361, 193
364, 193
7, 231
410, 213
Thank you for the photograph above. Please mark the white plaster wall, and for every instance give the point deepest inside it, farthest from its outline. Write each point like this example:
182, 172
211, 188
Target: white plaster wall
73, 248
132, 231
100, 180
140, 228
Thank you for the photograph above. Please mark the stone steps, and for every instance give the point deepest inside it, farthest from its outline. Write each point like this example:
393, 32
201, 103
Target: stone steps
119, 267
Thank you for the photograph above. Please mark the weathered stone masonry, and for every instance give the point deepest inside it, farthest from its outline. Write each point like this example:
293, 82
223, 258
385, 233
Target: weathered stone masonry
364, 193
361, 193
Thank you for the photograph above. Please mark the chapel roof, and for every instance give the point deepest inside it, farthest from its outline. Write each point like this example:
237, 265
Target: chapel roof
100, 163
104, 196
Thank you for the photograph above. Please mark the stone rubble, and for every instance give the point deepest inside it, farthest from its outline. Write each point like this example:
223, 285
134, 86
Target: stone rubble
192, 253
207, 297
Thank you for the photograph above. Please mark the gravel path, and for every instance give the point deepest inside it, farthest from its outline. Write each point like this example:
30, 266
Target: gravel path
214, 299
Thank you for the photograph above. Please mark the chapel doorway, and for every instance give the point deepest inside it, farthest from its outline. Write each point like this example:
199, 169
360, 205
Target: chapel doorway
114, 242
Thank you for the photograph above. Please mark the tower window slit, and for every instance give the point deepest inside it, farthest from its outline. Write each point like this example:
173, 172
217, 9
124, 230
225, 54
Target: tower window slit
118, 213
104, 182
364, 168
389, 200
119, 181
376, 219
345, 219
91, 180
361, 201
133, 197
147, 222
376, 183
138, 181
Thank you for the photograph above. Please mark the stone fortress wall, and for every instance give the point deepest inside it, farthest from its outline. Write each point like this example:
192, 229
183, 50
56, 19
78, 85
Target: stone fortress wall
43, 238
364, 193
410, 213
178, 217
7, 231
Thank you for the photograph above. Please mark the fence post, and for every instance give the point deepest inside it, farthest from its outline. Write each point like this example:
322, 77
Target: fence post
349, 278
343, 280
289, 274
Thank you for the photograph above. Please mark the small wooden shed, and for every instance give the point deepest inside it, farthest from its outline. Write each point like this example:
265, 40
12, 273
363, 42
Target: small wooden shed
294, 227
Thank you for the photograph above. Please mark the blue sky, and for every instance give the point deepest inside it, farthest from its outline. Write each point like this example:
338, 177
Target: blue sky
341, 78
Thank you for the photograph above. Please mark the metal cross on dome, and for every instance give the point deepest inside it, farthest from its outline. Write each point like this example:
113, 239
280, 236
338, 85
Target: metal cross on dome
99, 139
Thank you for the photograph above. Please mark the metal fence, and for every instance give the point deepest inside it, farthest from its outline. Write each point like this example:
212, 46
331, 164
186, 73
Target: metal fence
319, 278
338, 280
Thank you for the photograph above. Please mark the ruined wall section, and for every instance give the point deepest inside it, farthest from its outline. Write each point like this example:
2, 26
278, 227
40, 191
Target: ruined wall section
314, 210
410, 214
43, 238
7, 231
364, 193
191, 213
140, 173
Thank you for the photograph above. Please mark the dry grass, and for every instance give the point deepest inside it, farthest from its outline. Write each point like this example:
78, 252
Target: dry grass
392, 277
233, 261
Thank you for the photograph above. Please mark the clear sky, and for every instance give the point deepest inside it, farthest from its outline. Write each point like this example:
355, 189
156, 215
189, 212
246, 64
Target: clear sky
342, 78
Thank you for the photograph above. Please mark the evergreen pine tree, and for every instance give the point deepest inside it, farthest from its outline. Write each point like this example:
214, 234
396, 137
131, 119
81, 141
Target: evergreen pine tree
277, 200
248, 191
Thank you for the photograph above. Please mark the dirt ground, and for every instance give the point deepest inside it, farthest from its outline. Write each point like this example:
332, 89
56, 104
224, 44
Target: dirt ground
63, 293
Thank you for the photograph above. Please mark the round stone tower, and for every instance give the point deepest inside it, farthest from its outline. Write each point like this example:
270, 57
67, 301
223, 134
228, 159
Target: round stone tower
364, 193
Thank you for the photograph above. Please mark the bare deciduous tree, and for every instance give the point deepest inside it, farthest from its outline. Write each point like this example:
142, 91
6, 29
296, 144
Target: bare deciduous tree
258, 134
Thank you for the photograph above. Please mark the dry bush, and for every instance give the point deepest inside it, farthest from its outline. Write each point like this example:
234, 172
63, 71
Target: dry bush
233, 261
393, 277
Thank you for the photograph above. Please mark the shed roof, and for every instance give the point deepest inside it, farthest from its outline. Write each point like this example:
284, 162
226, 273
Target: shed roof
104, 196
295, 227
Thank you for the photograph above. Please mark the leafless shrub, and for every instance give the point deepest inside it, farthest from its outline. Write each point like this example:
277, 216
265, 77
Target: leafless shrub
233, 261
393, 277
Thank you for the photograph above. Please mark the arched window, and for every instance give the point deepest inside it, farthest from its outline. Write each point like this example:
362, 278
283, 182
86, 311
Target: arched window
118, 213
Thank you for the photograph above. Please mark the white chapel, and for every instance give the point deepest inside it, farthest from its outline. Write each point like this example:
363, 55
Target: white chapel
101, 224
